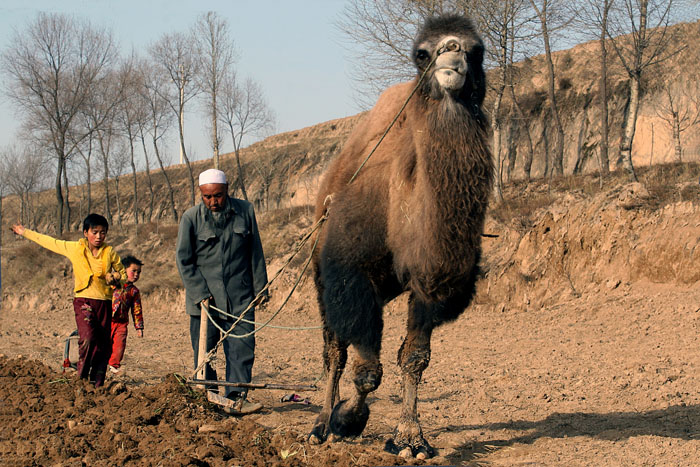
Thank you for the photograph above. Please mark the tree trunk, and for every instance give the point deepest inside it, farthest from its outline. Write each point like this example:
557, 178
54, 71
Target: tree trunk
604, 159
582, 149
183, 152
214, 131
133, 174
22, 208
119, 204
529, 154
167, 180
89, 188
108, 209
512, 145
241, 178
625, 160
558, 159
59, 196
67, 198
545, 148
677, 137
148, 177
498, 176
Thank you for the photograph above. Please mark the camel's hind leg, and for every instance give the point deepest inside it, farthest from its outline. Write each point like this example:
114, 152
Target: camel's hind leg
335, 355
413, 358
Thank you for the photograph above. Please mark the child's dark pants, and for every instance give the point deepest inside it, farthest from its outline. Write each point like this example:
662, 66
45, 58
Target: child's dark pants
93, 318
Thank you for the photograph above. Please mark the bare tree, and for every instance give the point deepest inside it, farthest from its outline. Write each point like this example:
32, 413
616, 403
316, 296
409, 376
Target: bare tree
265, 168
85, 148
25, 171
142, 138
502, 24
521, 118
160, 119
591, 17
103, 110
131, 116
118, 163
215, 50
52, 67
244, 111
3, 190
549, 14
387, 29
173, 56
641, 38
680, 109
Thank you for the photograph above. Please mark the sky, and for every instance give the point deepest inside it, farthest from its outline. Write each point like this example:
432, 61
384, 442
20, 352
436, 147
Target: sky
292, 49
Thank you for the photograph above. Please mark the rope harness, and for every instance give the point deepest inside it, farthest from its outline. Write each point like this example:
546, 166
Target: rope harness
316, 227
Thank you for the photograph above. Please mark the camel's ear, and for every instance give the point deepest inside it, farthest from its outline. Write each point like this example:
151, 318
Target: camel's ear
476, 71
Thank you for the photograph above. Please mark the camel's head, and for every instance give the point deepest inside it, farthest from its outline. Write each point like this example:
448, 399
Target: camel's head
450, 46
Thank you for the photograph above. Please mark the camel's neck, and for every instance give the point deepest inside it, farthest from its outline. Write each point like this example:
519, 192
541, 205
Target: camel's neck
458, 167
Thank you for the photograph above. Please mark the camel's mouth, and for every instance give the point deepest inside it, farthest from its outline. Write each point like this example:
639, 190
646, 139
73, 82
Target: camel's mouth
450, 78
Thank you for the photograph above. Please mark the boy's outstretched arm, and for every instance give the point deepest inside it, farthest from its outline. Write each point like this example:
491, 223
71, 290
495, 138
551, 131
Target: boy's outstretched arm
60, 247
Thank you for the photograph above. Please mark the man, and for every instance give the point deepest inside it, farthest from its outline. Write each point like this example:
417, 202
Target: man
221, 263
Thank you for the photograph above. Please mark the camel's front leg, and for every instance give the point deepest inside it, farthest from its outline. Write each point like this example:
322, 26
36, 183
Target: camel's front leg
335, 355
413, 358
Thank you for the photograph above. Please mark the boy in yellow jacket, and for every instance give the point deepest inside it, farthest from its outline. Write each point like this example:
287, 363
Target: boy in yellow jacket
93, 262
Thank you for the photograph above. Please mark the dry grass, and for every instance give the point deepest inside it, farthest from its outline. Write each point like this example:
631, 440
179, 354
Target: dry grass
666, 183
28, 267
282, 229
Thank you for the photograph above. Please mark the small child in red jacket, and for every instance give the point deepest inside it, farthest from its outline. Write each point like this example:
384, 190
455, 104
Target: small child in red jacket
126, 299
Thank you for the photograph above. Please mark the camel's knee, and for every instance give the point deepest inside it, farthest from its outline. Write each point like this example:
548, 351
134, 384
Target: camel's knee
335, 355
367, 376
412, 359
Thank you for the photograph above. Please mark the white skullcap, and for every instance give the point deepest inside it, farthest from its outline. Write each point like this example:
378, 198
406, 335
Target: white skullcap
212, 176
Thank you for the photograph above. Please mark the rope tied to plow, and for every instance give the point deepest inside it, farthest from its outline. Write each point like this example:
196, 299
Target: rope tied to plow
260, 294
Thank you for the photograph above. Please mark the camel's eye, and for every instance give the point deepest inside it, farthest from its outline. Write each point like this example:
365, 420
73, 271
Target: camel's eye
422, 55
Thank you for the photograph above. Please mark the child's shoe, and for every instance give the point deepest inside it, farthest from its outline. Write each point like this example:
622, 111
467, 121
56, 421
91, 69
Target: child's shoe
116, 371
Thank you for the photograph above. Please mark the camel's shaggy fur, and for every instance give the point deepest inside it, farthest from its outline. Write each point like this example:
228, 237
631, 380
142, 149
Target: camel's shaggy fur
411, 221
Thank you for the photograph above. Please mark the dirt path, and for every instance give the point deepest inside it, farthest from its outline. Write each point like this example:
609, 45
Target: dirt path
607, 378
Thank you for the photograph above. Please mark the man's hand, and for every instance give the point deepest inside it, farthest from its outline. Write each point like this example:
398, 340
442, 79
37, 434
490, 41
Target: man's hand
139, 332
18, 229
261, 299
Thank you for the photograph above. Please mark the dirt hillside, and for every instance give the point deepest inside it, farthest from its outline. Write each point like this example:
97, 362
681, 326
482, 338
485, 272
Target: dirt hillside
581, 348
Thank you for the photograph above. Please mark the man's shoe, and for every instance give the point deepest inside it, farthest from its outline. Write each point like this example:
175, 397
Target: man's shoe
242, 406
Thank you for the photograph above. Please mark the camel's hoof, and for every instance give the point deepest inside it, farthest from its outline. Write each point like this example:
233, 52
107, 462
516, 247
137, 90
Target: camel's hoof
419, 450
318, 435
348, 421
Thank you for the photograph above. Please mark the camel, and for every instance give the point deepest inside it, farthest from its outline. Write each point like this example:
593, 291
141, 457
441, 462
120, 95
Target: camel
410, 221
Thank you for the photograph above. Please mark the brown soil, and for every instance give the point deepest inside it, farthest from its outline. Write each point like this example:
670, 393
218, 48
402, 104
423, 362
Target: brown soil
582, 348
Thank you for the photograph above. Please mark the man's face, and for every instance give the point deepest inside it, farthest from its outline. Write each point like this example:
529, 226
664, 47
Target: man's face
214, 196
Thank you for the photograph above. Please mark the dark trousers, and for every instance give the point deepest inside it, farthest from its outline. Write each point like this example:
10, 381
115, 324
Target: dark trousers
239, 353
93, 318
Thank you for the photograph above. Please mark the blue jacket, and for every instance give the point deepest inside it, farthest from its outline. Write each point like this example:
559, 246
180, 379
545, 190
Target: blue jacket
227, 264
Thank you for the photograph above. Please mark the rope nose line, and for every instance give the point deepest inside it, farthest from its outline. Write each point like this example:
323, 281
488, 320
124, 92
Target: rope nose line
317, 227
